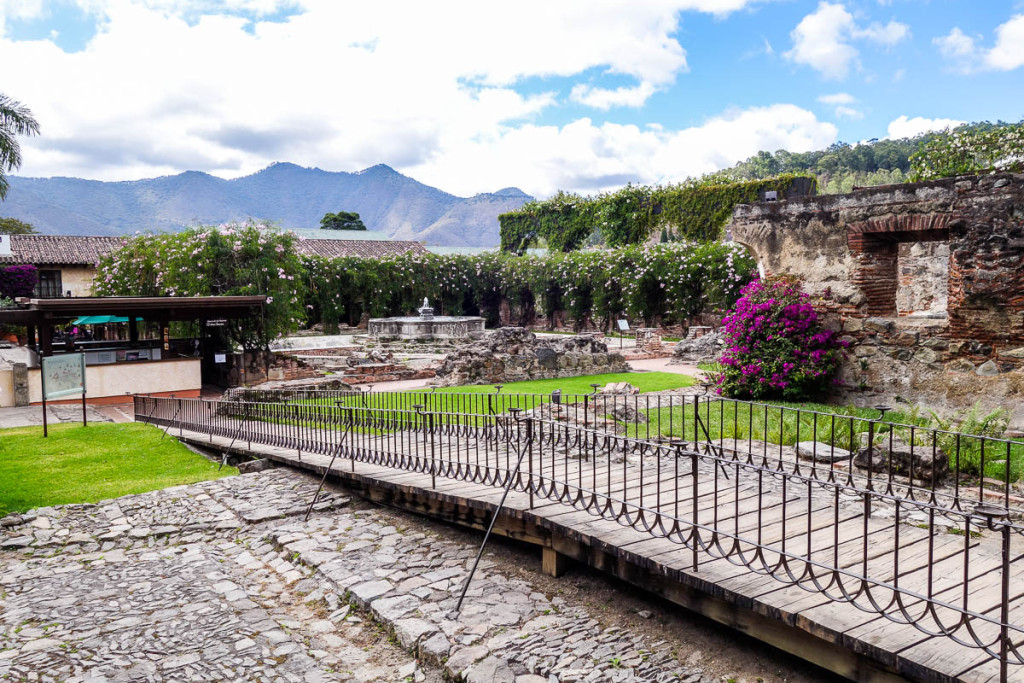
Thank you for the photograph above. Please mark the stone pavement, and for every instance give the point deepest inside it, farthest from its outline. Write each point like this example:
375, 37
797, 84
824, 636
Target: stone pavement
31, 416
223, 580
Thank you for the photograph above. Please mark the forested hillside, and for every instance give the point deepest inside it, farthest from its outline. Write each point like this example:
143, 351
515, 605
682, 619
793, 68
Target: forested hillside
843, 166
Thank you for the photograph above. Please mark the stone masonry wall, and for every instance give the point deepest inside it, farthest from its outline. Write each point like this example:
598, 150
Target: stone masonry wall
876, 257
923, 285
513, 354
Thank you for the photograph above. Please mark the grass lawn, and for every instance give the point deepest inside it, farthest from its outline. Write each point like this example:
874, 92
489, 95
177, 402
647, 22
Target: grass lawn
645, 381
465, 405
78, 464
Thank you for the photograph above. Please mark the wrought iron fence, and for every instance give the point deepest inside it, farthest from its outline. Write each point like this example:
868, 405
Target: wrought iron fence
878, 514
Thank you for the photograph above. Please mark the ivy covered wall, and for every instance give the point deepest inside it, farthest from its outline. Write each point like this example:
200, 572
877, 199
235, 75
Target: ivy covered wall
696, 210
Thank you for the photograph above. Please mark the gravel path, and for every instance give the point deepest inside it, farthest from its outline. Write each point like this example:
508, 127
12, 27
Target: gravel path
224, 581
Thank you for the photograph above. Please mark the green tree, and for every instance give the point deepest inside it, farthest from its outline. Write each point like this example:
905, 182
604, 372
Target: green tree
343, 220
15, 119
12, 226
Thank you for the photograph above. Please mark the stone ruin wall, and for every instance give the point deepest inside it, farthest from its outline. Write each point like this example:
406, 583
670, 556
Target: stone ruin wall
513, 354
887, 262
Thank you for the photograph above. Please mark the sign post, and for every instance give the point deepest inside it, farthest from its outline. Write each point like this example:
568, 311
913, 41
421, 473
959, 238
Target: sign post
623, 327
63, 376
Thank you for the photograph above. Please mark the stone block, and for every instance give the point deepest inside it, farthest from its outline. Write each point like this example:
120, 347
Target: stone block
878, 325
620, 388
926, 356
988, 369
411, 631
822, 452
463, 658
853, 324
904, 460
906, 338
864, 351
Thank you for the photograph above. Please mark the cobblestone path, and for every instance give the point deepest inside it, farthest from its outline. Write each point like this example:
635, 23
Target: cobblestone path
223, 581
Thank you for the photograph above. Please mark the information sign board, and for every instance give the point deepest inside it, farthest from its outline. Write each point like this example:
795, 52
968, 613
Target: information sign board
63, 375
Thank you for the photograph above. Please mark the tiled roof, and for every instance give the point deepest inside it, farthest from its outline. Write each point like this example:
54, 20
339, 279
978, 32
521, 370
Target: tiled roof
75, 250
59, 250
363, 248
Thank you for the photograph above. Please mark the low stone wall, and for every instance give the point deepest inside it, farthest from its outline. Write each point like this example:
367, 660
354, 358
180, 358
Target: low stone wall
513, 354
914, 360
287, 368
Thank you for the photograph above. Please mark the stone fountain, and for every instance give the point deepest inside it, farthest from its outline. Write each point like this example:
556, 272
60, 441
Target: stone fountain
427, 326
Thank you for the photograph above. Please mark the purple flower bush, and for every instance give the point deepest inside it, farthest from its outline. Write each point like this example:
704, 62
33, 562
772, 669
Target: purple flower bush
17, 281
775, 346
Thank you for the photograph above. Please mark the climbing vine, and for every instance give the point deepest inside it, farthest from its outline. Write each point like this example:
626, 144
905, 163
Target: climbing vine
694, 210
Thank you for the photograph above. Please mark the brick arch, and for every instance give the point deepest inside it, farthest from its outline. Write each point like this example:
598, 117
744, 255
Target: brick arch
874, 243
750, 240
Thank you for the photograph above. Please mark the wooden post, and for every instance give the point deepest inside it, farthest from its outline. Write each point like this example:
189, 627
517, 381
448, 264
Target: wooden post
553, 563
42, 386
46, 339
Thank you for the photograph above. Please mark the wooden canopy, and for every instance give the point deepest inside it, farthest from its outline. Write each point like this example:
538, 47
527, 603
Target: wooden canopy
46, 313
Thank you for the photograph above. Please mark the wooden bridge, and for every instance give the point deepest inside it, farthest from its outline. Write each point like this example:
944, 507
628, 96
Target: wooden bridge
868, 574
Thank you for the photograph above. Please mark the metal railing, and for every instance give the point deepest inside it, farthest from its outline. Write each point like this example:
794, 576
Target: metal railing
905, 537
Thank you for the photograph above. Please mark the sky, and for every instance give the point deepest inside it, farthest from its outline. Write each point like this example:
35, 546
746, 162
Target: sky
477, 95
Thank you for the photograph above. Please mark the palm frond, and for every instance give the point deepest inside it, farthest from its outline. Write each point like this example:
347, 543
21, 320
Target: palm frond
16, 118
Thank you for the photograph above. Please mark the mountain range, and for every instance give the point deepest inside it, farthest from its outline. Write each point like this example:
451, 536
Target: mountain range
289, 195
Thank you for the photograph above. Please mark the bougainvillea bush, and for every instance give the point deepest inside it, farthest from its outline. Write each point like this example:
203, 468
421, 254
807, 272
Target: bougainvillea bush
17, 281
775, 346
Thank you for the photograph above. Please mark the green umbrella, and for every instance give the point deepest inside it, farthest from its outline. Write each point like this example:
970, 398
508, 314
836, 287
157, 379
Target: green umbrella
99, 320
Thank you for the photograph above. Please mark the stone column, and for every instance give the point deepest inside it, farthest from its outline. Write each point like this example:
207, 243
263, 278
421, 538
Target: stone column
20, 384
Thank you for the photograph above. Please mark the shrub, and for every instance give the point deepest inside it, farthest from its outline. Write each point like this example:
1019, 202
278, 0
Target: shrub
17, 281
970, 150
206, 261
775, 347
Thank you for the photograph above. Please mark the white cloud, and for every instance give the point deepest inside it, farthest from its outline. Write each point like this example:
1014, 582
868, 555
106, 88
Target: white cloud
957, 45
844, 112
602, 98
19, 9
822, 40
842, 101
837, 98
905, 127
819, 41
587, 157
967, 56
891, 34
1008, 52
451, 100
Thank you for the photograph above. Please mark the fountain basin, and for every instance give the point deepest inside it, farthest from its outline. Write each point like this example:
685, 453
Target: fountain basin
439, 326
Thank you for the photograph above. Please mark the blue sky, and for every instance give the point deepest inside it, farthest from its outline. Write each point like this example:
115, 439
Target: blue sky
471, 97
